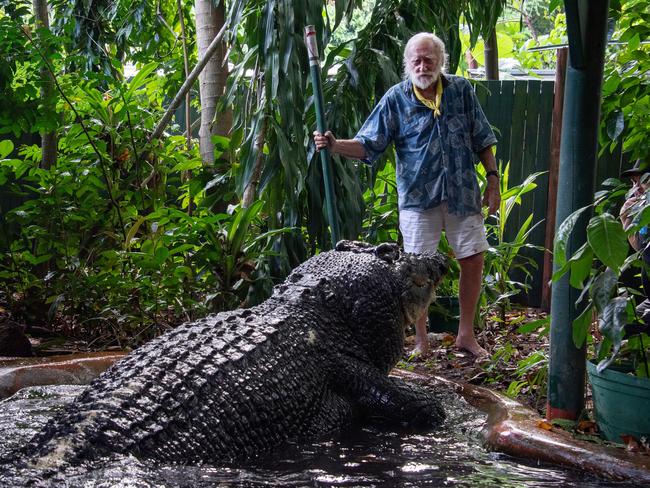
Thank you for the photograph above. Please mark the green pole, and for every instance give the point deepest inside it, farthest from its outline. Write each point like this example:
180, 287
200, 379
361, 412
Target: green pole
314, 67
586, 27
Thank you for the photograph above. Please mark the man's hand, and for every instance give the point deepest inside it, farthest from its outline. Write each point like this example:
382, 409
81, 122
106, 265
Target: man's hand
492, 195
326, 141
350, 148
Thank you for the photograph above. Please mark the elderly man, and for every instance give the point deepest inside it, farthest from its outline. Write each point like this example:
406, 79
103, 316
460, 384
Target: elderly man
439, 131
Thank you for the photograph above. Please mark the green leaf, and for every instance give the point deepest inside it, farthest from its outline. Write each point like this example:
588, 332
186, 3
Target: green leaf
161, 255
132, 231
608, 240
612, 325
602, 288
580, 266
581, 327
6, 147
529, 327
239, 226
615, 125
562, 237
139, 79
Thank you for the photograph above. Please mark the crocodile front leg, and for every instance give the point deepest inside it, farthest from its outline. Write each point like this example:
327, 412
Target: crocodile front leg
390, 399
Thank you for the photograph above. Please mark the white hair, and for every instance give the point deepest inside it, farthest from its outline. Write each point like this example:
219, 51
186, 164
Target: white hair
438, 47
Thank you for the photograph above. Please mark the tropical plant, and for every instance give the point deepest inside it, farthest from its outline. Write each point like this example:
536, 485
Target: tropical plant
597, 268
625, 110
503, 259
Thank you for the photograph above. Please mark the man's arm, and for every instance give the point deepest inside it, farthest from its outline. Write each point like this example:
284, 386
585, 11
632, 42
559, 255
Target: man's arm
350, 148
492, 196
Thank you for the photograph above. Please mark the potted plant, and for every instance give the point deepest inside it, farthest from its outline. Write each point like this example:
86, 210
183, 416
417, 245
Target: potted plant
618, 366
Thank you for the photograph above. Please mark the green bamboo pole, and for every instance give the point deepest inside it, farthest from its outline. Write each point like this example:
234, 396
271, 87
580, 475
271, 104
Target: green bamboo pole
314, 67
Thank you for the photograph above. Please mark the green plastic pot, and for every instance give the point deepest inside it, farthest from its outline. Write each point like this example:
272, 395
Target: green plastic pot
621, 403
444, 314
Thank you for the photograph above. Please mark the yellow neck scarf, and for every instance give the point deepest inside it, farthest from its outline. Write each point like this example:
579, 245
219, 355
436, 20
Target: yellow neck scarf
436, 102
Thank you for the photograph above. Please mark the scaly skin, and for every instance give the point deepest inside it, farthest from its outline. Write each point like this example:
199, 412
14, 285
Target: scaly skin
302, 364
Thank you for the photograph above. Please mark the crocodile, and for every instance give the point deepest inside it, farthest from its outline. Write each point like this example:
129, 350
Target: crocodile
305, 363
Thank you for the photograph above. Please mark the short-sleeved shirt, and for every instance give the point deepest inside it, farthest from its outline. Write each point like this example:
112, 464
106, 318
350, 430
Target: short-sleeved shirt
436, 156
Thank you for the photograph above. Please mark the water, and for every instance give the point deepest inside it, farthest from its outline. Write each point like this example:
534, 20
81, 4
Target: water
367, 457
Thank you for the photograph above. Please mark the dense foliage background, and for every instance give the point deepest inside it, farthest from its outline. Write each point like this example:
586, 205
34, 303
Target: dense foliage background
118, 235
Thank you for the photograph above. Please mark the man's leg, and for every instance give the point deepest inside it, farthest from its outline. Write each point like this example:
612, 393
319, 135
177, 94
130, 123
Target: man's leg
421, 339
471, 275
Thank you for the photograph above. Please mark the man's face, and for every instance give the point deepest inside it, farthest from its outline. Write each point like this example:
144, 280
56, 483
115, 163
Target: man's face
423, 64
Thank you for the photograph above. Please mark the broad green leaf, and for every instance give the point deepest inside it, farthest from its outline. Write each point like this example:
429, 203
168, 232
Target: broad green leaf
187, 165
615, 125
612, 325
6, 147
532, 326
580, 264
139, 79
607, 238
581, 326
562, 237
161, 255
602, 288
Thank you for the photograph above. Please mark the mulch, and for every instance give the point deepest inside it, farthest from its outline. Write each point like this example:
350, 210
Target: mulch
508, 348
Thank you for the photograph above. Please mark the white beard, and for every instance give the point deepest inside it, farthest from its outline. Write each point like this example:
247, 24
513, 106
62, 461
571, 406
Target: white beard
424, 80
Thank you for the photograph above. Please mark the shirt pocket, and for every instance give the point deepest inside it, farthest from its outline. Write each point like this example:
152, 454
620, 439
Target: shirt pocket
413, 122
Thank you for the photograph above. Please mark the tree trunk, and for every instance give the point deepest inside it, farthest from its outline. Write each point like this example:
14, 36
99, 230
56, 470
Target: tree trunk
212, 80
491, 52
48, 139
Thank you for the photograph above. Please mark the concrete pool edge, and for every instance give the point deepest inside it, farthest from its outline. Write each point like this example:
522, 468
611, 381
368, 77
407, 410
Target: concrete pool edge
513, 429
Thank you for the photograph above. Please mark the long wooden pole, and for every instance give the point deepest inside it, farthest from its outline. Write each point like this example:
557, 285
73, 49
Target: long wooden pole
314, 67
553, 170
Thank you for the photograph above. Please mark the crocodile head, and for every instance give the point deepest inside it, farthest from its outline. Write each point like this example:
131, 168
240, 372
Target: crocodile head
419, 275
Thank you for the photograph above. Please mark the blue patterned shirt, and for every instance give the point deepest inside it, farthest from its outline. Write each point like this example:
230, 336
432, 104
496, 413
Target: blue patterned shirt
436, 156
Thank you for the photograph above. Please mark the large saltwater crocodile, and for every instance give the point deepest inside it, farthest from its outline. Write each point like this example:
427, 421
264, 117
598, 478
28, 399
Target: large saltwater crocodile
304, 363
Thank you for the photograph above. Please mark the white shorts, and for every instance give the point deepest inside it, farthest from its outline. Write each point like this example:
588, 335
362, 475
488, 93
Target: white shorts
422, 230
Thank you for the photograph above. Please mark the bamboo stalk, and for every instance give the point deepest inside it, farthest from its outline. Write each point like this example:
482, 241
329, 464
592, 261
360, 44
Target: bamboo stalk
330, 195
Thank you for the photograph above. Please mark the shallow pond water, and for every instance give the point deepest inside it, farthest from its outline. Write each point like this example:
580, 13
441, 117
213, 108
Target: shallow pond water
367, 457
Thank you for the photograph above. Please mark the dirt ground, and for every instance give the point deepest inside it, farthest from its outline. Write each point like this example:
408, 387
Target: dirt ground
517, 362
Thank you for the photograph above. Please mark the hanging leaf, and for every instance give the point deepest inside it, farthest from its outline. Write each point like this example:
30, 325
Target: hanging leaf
562, 238
602, 289
581, 326
607, 238
615, 125
612, 325
580, 264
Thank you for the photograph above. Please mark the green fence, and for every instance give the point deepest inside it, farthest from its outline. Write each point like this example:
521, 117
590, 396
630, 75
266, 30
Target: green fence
521, 113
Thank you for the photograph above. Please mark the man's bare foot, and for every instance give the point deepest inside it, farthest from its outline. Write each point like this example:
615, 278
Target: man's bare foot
471, 346
421, 350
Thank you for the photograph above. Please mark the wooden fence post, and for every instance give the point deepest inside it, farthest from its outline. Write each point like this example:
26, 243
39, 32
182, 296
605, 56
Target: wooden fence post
554, 165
